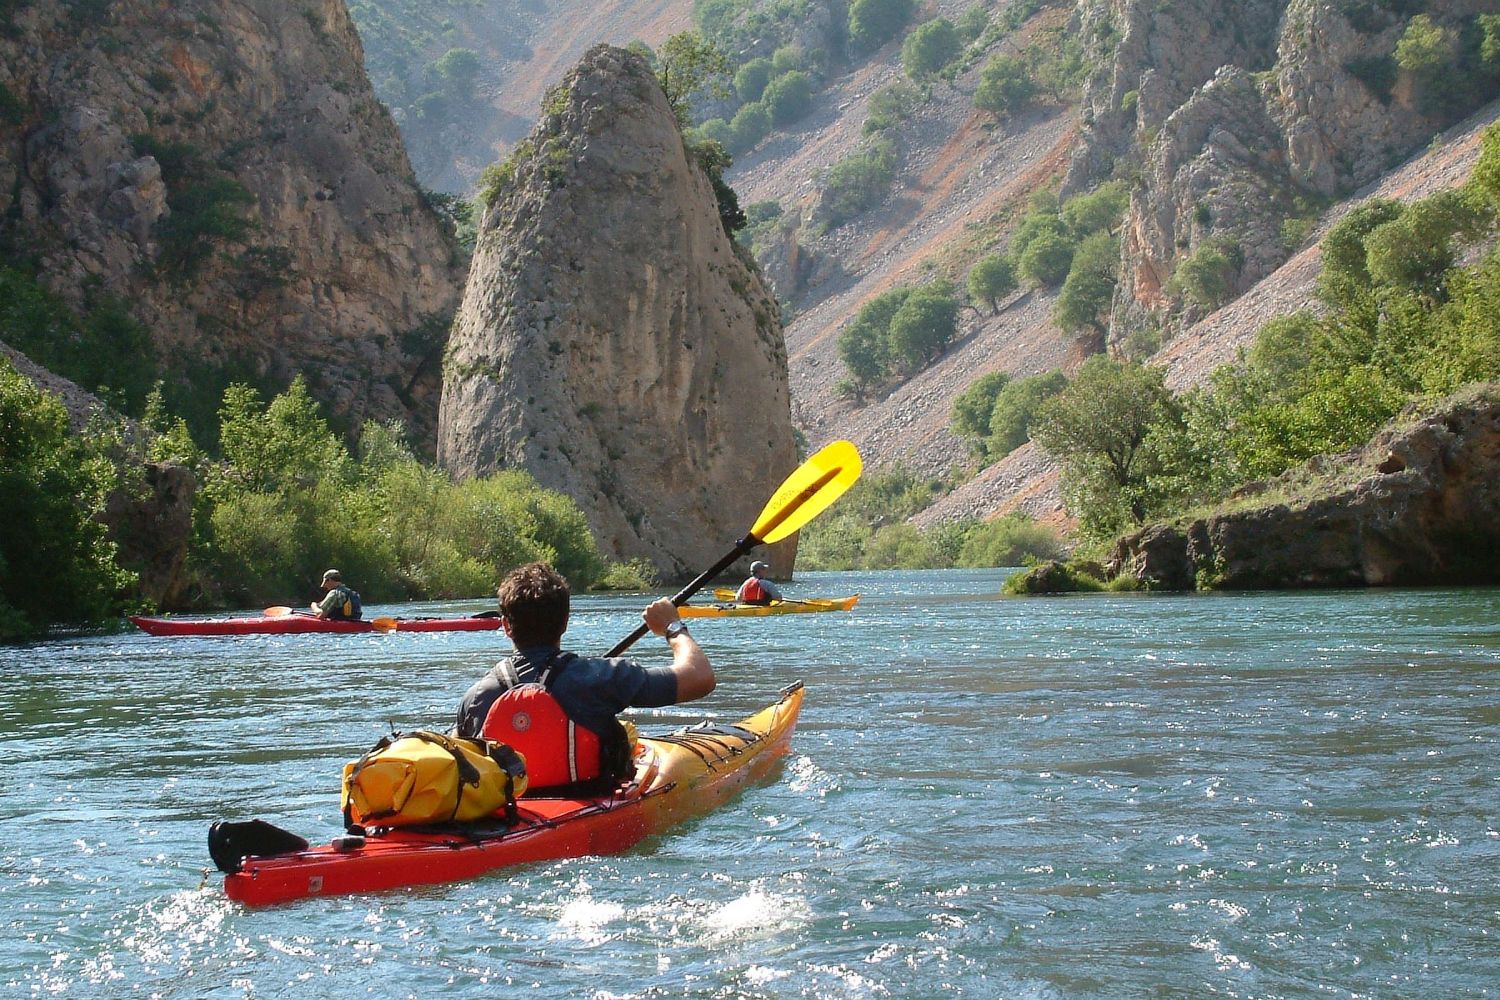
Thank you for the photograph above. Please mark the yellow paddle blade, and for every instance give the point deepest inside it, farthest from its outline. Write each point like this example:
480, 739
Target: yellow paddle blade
384, 624
279, 611
818, 482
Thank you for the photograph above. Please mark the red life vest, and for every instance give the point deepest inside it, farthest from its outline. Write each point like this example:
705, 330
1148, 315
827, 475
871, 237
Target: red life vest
558, 751
751, 592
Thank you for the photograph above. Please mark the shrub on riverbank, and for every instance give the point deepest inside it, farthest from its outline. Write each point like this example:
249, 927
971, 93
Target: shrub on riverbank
56, 563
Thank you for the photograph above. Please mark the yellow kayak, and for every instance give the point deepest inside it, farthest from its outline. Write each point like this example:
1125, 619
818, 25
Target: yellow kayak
728, 609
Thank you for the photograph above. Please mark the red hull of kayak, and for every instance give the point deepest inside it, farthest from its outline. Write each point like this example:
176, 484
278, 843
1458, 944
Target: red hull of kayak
678, 776
298, 624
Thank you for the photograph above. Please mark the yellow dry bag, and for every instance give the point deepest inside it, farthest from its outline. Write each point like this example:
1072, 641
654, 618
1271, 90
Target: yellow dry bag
421, 777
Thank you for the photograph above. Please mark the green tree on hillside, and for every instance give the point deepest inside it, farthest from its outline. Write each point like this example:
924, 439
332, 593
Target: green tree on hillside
1005, 86
1083, 304
1416, 250
925, 324
788, 97
751, 78
1102, 426
872, 23
1016, 407
1101, 209
458, 69
992, 278
969, 416
1344, 269
1047, 259
929, 49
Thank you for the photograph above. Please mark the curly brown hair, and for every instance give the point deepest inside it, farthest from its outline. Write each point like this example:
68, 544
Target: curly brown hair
534, 600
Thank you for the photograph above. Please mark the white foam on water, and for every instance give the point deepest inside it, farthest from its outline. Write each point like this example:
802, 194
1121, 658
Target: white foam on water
587, 918
756, 914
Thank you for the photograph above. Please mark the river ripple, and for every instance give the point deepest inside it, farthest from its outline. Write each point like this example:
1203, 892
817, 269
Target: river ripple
1252, 795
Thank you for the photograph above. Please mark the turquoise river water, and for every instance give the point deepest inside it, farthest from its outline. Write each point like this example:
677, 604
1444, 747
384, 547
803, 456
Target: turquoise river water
1244, 795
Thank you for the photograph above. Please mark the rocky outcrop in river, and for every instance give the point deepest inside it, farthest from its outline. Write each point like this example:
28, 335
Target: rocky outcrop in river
1420, 504
611, 340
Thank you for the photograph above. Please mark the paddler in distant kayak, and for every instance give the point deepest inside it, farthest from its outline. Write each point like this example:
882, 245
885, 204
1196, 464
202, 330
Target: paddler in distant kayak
340, 603
558, 709
757, 589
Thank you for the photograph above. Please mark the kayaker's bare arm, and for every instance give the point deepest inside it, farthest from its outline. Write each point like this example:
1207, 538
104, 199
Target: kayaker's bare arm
695, 675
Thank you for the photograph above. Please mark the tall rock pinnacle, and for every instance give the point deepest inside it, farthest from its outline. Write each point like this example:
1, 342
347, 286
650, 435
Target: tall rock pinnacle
611, 341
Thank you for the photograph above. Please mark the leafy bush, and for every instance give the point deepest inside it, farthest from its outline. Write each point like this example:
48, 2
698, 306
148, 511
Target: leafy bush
1344, 272
458, 69
788, 58
864, 346
860, 181
871, 530
1101, 209
1016, 407
1012, 540
288, 501
788, 97
1206, 276
1417, 249
56, 563
1047, 259
1103, 427
872, 23
750, 125
991, 279
930, 48
970, 415
890, 106
973, 22
104, 350
924, 326
751, 78
1083, 304
1005, 87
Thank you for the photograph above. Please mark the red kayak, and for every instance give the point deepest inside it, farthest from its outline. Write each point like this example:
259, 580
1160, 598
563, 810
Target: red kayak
678, 775
298, 623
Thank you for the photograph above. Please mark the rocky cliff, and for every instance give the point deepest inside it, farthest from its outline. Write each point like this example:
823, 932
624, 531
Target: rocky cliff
1232, 118
611, 341
1419, 504
223, 167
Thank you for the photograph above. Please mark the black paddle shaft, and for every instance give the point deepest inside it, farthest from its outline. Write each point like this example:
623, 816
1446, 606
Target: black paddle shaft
740, 548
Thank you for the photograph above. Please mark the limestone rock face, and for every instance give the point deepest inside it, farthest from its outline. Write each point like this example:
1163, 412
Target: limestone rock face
612, 342
134, 128
1215, 168
1340, 132
1420, 504
1228, 113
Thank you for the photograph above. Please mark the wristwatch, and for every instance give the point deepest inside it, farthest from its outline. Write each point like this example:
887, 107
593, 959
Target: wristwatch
673, 630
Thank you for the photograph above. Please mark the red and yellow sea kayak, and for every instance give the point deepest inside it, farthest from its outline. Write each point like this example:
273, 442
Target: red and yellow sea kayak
729, 609
296, 624
678, 776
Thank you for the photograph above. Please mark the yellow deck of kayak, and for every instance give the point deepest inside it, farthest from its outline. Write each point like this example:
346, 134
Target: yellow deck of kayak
786, 607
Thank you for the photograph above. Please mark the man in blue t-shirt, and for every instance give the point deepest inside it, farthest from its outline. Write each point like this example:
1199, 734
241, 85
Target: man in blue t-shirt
534, 604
